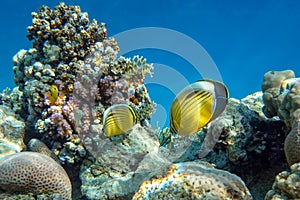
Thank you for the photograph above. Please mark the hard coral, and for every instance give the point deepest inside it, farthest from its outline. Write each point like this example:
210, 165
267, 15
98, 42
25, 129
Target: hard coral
34, 172
292, 144
64, 34
72, 74
282, 98
286, 185
281, 95
194, 181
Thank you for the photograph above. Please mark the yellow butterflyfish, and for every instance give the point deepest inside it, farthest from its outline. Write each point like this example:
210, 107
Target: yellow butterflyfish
197, 105
118, 119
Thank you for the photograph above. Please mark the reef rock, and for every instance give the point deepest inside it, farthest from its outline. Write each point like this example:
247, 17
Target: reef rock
121, 165
11, 132
236, 137
242, 141
193, 180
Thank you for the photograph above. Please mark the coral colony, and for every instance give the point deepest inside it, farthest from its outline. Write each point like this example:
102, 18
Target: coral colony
52, 144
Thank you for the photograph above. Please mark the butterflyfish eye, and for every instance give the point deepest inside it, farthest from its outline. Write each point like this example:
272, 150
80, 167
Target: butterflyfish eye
197, 105
118, 119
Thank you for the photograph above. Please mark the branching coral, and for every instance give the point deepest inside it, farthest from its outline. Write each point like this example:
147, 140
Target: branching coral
72, 74
64, 34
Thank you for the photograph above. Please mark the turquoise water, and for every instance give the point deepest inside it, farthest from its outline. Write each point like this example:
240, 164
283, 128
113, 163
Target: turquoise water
244, 39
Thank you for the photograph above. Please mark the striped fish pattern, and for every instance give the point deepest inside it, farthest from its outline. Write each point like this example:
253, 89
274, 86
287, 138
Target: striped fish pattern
197, 105
118, 119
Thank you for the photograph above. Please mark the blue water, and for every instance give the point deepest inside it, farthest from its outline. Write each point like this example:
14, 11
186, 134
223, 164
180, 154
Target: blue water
244, 39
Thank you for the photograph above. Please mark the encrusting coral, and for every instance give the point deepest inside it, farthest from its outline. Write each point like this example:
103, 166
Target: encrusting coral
34, 172
193, 180
282, 98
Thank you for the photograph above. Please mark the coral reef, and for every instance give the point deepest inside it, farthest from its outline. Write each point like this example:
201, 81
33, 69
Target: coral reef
11, 132
120, 166
281, 95
249, 145
71, 75
194, 181
34, 172
239, 135
242, 141
282, 98
286, 185
14, 100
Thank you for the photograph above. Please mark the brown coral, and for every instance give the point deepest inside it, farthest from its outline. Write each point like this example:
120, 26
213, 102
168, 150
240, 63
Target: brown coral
286, 185
34, 172
273, 79
282, 98
281, 95
292, 145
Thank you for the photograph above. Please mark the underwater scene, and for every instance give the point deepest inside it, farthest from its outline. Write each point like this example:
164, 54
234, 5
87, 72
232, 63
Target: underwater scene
160, 100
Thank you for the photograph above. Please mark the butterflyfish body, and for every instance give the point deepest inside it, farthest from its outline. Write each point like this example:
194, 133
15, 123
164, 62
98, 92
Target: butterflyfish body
52, 94
197, 105
118, 119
